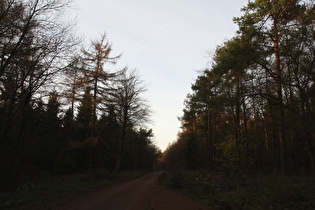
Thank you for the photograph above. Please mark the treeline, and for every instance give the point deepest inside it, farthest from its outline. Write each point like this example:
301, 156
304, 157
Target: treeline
254, 109
62, 109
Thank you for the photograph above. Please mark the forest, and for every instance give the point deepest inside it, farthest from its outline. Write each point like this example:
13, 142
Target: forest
65, 108
253, 109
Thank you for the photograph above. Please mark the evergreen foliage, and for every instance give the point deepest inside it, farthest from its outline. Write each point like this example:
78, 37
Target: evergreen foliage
253, 109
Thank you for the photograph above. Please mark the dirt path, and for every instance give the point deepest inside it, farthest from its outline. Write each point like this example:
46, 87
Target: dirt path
143, 193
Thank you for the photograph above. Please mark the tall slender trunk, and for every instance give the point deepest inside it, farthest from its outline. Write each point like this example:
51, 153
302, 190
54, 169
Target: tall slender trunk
236, 119
19, 144
120, 151
245, 131
73, 93
124, 128
209, 139
195, 142
94, 104
278, 72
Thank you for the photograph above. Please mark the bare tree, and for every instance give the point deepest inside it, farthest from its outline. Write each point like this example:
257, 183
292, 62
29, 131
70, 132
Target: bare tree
34, 46
74, 81
130, 108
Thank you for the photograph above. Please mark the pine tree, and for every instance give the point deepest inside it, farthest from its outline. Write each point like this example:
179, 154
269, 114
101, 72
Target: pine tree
84, 118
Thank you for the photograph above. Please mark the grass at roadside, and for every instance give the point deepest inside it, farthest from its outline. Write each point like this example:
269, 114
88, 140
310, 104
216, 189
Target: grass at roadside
246, 192
35, 194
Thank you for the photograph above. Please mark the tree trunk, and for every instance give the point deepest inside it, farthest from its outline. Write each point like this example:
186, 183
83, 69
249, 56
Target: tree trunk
121, 145
118, 163
279, 96
209, 140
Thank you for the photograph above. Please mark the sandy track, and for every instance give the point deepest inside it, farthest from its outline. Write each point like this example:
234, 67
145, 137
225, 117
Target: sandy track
143, 193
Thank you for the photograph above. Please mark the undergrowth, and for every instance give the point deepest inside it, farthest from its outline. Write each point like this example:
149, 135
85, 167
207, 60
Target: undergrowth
37, 193
246, 192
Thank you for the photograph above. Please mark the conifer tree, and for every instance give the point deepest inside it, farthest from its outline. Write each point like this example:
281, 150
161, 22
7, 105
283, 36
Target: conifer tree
95, 61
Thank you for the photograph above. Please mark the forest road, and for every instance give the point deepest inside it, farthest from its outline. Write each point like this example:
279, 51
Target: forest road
144, 193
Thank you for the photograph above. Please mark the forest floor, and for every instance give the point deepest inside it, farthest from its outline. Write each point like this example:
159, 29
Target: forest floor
221, 191
144, 192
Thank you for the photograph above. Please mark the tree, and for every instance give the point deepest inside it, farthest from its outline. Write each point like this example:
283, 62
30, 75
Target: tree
34, 45
84, 118
140, 153
74, 81
255, 105
50, 139
267, 22
84, 122
233, 61
95, 73
130, 108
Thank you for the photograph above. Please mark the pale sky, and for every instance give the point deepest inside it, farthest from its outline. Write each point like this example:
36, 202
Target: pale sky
168, 41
